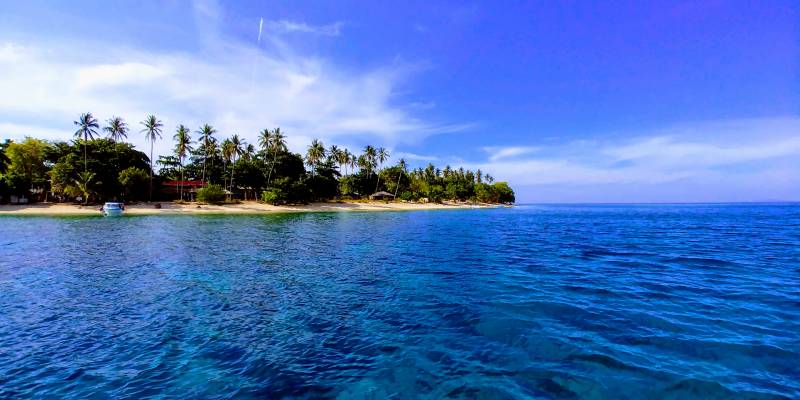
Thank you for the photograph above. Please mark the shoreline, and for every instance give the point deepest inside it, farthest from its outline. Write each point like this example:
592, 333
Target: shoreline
244, 208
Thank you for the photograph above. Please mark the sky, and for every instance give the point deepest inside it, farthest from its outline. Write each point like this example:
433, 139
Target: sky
569, 101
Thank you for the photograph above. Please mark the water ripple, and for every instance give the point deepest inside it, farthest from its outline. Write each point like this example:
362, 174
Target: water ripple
534, 302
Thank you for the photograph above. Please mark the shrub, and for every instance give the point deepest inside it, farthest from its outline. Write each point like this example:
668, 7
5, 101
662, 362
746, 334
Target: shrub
273, 196
212, 194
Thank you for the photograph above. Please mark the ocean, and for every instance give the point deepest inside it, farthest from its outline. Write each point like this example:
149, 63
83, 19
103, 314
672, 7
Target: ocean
535, 301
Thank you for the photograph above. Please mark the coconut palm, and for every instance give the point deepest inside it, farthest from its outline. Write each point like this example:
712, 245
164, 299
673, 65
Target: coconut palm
402, 166
84, 185
333, 153
381, 155
183, 143
116, 129
353, 161
87, 128
152, 132
369, 158
237, 149
315, 153
227, 156
207, 136
248, 152
277, 144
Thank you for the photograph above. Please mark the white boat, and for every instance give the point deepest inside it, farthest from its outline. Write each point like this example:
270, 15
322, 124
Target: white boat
113, 209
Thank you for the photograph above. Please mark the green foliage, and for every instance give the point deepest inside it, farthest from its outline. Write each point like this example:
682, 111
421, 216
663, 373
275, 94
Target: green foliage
278, 175
134, 182
212, 194
273, 196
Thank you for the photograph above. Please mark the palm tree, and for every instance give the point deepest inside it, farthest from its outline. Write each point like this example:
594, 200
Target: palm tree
227, 156
333, 153
84, 185
182, 147
402, 165
381, 156
353, 161
236, 144
278, 144
87, 125
207, 134
249, 152
316, 152
369, 158
152, 132
116, 129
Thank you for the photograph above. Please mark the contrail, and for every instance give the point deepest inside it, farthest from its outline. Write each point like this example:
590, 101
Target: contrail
260, 25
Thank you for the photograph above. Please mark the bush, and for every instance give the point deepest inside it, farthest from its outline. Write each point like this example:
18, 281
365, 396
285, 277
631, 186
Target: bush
135, 182
212, 194
273, 196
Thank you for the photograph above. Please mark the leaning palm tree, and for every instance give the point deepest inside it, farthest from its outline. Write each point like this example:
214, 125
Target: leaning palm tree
183, 143
87, 128
381, 156
152, 132
315, 153
207, 134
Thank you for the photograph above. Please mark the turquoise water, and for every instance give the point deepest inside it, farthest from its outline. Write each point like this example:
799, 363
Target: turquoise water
595, 302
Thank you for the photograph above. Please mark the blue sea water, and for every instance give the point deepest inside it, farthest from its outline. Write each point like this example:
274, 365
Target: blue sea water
566, 302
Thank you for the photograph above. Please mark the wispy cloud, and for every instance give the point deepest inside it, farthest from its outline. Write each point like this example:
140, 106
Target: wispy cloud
497, 153
414, 157
44, 87
285, 26
713, 161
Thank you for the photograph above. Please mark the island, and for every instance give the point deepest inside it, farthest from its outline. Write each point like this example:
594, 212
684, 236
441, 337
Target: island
204, 174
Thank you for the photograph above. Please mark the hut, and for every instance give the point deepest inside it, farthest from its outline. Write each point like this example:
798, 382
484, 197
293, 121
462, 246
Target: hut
381, 196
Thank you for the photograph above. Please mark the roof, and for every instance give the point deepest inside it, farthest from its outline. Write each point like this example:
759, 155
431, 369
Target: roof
381, 194
184, 183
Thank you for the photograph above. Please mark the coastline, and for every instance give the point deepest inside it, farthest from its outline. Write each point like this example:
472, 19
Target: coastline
244, 208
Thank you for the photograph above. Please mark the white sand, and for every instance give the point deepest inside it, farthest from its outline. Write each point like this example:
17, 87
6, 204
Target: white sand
243, 208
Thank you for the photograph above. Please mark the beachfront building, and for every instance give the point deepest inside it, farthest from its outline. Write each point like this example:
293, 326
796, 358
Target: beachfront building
172, 189
381, 196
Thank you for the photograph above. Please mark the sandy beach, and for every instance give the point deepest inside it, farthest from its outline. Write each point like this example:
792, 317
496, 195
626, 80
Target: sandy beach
242, 208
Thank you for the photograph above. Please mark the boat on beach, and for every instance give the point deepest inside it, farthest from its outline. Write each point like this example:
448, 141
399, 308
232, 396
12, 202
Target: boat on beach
112, 209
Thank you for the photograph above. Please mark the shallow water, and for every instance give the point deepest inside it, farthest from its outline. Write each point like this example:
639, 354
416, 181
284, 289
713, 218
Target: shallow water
594, 302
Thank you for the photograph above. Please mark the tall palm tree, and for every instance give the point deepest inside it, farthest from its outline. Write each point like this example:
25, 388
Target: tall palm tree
402, 165
369, 159
353, 161
249, 152
152, 132
227, 156
277, 144
87, 128
183, 143
237, 149
116, 129
333, 153
381, 156
315, 153
207, 134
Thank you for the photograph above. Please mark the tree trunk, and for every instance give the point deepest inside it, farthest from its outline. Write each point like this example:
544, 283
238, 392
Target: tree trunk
151, 171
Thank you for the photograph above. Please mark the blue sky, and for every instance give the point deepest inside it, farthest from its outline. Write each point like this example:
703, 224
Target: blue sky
574, 101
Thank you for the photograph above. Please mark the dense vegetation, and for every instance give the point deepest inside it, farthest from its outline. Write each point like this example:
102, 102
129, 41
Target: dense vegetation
98, 165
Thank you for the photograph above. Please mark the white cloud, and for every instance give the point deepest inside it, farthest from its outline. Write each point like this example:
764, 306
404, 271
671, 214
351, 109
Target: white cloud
731, 160
284, 26
235, 87
497, 153
413, 157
